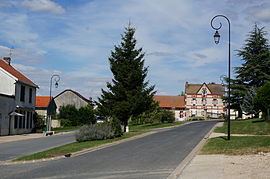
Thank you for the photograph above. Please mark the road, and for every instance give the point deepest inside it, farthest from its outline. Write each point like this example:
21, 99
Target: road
154, 156
11, 150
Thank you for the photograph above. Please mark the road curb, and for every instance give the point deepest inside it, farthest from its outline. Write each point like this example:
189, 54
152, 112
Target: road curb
179, 169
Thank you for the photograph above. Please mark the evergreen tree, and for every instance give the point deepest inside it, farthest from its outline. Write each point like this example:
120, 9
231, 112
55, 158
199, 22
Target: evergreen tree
128, 95
262, 99
248, 105
254, 71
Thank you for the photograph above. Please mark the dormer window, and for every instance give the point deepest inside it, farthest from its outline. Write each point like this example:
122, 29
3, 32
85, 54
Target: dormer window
204, 92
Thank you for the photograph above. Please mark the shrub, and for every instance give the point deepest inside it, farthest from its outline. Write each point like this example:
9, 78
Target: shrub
166, 116
116, 127
94, 132
39, 122
196, 119
70, 113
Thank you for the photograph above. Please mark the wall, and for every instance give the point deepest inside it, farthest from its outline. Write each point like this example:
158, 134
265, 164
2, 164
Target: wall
68, 97
7, 105
7, 86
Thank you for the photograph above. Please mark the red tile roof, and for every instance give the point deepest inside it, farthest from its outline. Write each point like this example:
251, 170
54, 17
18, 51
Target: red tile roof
170, 101
14, 72
42, 101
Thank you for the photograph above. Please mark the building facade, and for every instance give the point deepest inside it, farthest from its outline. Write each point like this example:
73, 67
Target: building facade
17, 100
173, 103
199, 101
204, 100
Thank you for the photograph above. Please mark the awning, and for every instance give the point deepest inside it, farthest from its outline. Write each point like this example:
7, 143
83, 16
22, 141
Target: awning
15, 114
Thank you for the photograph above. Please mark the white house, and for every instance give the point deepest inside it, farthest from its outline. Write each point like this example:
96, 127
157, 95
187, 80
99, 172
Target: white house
17, 100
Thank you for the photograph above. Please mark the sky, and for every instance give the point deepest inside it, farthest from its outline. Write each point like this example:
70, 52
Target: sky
74, 39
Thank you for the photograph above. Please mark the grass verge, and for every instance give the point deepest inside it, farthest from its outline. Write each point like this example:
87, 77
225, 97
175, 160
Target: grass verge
73, 147
243, 145
251, 126
66, 128
152, 126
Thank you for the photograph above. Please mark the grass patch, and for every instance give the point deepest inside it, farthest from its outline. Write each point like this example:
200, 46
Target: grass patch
152, 126
251, 126
237, 145
74, 147
66, 128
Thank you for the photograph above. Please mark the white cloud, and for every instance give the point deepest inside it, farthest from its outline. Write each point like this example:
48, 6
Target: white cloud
43, 5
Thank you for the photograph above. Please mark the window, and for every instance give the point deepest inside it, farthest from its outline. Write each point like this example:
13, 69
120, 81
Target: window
22, 93
194, 101
215, 102
204, 101
31, 120
30, 95
204, 92
16, 122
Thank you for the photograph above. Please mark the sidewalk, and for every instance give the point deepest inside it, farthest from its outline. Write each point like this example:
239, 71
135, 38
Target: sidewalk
12, 138
228, 167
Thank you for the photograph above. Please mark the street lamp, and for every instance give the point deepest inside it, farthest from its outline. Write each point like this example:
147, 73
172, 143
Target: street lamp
217, 38
56, 79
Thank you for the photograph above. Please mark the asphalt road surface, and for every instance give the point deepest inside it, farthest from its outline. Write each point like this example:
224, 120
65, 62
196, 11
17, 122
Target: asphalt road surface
154, 156
11, 150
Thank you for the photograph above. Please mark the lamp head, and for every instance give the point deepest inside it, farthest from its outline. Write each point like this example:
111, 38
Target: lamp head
56, 85
216, 37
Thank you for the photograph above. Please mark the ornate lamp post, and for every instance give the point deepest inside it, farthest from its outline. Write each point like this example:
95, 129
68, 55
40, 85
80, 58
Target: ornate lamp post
216, 38
56, 79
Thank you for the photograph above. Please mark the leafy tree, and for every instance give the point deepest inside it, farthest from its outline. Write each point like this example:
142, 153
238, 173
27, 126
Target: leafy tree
39, 122
86, 115
70, 114
248, 104
128, 94
262, 99
255, 69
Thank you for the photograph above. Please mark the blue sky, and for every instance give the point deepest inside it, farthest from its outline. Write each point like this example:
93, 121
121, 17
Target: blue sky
74, 39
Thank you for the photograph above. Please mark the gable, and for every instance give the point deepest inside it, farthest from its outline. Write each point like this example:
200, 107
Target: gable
204, 90
15, 73
70, 97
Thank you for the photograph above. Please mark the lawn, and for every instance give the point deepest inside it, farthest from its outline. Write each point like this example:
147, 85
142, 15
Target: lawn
74, 147
152, 126
237, 145
251, 126
66, 128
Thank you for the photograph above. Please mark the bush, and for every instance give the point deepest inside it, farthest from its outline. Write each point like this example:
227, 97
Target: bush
39, 122
94, 132
157, 116
100, 131
166, 116
116, 127
196, 119
72, 117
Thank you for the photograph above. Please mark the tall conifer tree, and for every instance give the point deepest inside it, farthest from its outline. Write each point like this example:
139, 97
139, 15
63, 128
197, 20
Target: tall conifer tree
255, 69
128, 94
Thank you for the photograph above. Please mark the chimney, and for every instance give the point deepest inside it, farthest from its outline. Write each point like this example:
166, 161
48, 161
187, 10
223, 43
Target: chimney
7, 60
